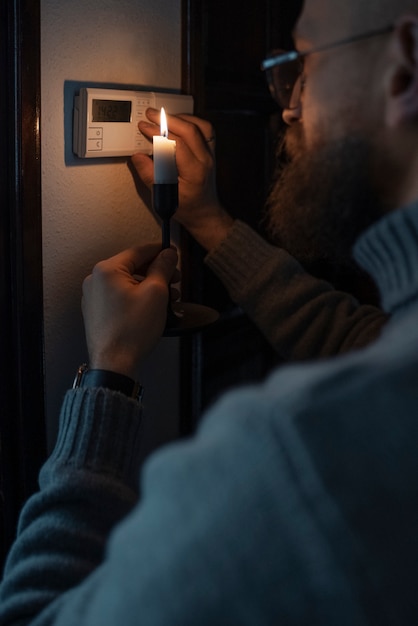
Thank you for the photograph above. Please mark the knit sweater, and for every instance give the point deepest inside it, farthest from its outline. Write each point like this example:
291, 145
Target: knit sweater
301, 316
295, 503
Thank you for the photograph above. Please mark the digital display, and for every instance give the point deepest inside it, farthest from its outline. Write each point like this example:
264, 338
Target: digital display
112, 110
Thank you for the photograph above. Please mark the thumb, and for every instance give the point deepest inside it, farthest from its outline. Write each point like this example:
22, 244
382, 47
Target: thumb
143, 165
164, 265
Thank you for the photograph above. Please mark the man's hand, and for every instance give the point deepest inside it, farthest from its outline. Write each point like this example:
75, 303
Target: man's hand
199, 209
124, 307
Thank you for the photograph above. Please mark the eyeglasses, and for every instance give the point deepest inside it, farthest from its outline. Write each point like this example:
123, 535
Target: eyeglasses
284, 69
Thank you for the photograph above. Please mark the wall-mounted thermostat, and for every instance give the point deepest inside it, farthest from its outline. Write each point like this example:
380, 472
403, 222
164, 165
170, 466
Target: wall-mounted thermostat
105, 121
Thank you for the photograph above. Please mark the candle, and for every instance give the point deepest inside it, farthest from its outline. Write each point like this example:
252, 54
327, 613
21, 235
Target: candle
164, 150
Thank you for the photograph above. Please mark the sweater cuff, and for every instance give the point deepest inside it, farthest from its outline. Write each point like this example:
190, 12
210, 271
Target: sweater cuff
99, 431
242, 248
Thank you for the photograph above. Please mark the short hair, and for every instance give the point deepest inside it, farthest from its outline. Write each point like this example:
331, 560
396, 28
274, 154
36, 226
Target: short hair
376, 13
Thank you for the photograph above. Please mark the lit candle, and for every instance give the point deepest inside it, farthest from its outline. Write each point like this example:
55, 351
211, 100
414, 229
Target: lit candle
164, 150
165, 188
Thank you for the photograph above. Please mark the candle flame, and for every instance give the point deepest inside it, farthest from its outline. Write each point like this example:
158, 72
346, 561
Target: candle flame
163, 123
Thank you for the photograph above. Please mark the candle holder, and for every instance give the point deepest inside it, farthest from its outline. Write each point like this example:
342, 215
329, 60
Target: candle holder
182, 317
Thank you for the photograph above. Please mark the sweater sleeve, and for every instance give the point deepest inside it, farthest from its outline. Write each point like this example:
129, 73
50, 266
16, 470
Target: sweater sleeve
302, 317
89, 483
222, 533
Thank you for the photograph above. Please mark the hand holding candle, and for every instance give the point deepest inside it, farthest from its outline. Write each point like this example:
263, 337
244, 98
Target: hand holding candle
165, 190
182, 317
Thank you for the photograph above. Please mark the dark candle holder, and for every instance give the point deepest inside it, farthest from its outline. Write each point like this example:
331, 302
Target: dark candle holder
182, 317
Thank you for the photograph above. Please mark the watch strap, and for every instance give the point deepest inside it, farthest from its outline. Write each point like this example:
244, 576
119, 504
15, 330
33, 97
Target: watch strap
86, 377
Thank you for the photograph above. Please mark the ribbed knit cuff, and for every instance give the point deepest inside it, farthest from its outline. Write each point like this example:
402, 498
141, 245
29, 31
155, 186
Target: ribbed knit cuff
100, 431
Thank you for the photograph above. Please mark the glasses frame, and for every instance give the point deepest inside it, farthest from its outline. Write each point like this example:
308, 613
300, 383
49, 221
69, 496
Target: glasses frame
282, 58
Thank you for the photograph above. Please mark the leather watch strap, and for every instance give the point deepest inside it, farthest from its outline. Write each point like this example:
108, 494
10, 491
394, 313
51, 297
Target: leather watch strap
86, 377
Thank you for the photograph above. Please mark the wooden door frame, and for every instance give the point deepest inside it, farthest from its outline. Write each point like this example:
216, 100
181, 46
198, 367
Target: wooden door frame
22, 422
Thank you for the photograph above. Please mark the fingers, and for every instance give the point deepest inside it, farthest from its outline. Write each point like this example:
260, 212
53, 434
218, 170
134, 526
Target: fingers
144, 167
137, 259
163, 267
149, 261
196, 133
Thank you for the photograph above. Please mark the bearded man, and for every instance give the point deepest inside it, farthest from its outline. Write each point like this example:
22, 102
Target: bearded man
296, 502
309, 217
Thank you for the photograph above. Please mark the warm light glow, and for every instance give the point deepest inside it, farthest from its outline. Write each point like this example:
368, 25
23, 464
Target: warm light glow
164, 152
163, 123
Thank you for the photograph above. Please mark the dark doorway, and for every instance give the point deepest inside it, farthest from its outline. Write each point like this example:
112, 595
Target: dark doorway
22, 428
223, 46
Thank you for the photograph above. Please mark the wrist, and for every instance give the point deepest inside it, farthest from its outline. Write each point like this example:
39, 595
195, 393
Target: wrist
120, 362
211, 231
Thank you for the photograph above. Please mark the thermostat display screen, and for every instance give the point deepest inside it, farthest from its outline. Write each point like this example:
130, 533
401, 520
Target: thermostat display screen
111, 110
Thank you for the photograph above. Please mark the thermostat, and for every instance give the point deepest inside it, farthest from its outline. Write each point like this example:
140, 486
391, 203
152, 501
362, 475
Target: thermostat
105, 121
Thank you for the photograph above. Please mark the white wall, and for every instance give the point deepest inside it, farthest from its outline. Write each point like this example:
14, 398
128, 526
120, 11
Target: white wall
92, 210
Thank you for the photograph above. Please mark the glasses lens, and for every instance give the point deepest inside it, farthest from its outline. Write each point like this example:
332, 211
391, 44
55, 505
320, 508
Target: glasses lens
282, 79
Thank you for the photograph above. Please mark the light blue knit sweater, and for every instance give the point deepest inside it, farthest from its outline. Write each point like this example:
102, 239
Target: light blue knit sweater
295, 503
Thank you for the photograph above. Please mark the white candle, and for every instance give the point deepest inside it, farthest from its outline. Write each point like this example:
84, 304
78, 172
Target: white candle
164, 150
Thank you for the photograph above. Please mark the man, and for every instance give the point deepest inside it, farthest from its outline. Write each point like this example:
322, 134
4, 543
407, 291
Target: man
296, 502
301, 316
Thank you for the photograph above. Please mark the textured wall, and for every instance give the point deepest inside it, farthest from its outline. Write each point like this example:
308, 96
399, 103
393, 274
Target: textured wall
92, 210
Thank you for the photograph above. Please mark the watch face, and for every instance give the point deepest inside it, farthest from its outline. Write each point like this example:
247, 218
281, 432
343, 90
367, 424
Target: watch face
111, 110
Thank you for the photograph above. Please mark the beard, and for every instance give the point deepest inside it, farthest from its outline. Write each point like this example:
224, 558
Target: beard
321, 200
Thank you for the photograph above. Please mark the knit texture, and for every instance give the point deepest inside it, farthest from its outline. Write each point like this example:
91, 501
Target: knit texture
295, 503
302, 317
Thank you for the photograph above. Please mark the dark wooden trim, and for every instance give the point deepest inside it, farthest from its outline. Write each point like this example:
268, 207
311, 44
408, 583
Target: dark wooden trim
22, 427
223, 44
190, 345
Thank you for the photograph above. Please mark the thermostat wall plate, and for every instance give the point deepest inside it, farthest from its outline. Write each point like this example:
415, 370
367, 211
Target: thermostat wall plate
105, 121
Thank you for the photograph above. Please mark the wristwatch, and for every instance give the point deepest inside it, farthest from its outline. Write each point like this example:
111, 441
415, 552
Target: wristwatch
86, 377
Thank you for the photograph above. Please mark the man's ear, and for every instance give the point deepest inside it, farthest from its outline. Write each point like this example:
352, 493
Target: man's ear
402, 86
